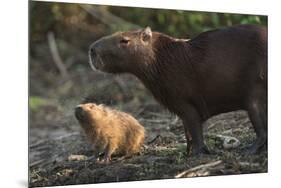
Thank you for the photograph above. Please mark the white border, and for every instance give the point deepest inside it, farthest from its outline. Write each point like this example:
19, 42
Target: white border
14, 95
14, 87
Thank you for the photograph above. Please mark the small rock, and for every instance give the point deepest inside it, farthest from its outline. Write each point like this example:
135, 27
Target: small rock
65, 172
77, 158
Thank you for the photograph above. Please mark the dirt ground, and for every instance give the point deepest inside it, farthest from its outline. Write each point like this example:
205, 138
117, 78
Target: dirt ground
59, 154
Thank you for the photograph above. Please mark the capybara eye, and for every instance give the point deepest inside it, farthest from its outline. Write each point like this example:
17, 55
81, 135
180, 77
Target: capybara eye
125, 41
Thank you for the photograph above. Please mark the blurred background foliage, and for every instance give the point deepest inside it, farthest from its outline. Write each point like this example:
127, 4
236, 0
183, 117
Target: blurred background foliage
56, 16
60, 34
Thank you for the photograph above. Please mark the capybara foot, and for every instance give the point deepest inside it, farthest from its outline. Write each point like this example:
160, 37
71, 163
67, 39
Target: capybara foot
105, 160
255, 148
199, 151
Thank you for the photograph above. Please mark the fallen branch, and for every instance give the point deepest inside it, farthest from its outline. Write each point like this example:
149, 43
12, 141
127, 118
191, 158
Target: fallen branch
154, 139
160, 115
246, 120
107, 18
216, 123
201, 168
55, 55
157, 120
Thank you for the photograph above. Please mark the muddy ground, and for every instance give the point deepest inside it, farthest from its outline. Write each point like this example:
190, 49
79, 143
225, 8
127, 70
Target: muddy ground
59, 154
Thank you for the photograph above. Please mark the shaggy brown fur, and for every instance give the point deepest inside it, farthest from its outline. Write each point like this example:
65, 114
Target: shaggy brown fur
110, 131
218, 71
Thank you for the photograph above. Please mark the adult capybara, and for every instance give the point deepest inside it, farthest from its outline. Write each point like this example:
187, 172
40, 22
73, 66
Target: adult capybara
110, 131
218, 71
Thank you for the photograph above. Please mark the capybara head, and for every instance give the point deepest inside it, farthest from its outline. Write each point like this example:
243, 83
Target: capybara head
88, 113
121, 51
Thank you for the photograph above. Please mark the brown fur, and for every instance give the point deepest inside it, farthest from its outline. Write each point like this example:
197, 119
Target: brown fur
218, 71
110, 131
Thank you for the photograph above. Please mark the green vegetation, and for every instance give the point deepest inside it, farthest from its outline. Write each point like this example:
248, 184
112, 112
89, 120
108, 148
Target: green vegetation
182, 23
35, 102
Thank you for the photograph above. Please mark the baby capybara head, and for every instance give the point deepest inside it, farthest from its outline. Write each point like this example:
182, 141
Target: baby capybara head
88, 113
121, 51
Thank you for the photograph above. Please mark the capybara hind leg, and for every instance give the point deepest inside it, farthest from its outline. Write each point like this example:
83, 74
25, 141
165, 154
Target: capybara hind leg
194, 132
257, 116
264, 115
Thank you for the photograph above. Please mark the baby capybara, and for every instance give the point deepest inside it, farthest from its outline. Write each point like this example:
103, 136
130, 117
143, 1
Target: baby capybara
110, 131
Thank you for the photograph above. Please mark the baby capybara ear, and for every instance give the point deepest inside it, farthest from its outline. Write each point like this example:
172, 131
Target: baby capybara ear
92, 105
146, 34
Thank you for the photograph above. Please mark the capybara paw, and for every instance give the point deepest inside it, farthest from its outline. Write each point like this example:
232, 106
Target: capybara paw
199, 151
255, 148
105, 160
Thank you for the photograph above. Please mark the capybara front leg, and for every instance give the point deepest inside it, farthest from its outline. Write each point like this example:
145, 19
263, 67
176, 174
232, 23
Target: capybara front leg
108, 152
193, 131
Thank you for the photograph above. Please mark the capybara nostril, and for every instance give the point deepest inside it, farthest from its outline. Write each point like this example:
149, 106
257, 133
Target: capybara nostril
92, 51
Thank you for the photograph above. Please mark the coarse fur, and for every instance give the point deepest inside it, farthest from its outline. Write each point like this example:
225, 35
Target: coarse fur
110, 131
217, 71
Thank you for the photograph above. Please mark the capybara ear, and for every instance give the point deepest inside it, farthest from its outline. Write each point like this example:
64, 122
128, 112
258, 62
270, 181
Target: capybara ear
146, 34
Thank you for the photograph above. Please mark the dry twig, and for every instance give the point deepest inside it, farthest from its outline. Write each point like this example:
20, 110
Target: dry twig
201, 168
107, 18
55, 55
